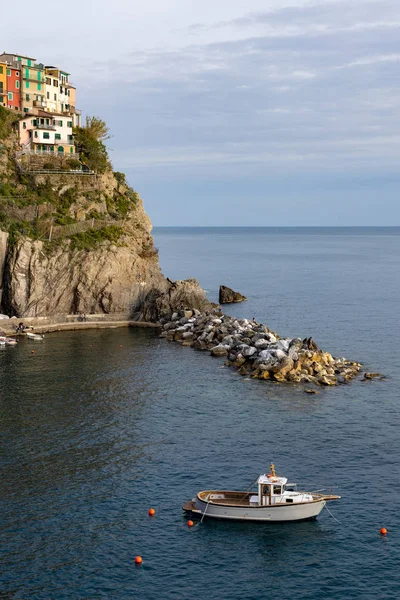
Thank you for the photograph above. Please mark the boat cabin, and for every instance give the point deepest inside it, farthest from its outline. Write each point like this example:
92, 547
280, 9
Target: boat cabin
271, 490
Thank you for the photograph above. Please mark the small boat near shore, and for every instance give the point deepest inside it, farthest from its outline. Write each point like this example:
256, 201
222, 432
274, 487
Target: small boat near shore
7, 341
276, 501
34, 336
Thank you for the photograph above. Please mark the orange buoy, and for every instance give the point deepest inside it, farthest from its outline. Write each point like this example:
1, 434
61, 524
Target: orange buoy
121, 346
32, 352
138, 560
152, 512
383, 531
190, 523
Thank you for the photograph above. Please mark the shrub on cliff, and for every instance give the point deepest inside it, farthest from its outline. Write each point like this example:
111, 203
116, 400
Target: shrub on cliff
7, 120
89, 143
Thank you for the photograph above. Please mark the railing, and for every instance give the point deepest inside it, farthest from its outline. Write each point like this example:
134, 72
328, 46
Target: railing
30, 152
43, 126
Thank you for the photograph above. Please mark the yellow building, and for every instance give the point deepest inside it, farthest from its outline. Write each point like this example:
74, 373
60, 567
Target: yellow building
3, 84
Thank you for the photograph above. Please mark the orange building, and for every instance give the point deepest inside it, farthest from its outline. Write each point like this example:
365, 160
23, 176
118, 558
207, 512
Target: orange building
13, 76
3, 84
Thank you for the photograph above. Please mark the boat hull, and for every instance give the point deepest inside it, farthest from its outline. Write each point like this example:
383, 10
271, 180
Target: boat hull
305, 511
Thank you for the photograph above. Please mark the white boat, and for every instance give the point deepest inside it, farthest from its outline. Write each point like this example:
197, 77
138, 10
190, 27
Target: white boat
9, 341
276, 500
34, 336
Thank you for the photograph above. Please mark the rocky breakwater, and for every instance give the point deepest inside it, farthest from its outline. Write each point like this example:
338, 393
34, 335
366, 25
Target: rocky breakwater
256, 351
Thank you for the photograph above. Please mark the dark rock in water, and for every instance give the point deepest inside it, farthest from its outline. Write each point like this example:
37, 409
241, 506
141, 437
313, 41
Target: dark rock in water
309, 391
373, 375
227, 296
309, 344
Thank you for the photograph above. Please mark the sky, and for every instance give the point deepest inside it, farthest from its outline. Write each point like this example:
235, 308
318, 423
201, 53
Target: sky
237, 113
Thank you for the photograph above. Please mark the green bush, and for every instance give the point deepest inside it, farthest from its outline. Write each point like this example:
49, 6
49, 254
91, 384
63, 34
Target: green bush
90, 239
49, 166
73, 163
120, 177
7, 120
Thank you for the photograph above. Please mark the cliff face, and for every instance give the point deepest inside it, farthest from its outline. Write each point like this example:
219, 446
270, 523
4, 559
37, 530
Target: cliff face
73, 243
111, 277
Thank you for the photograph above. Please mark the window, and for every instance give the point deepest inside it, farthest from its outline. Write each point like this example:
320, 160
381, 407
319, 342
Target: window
1, 70
24, 125
16, 73
9, 72
58, 136
36, 134
60, 123
17, 85
29, 62
39, 76
10, 95
70, 138
69, 124
34, 122
26, 109
69, 93
277, 490
26, 73
55, 96
48, 81
71, 150
19, 59
51, 148
55, 82
28, 97
46, 135
27, 84
48, 95
39, 86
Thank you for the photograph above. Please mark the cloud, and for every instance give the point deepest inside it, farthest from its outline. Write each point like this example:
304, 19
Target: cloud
218, 89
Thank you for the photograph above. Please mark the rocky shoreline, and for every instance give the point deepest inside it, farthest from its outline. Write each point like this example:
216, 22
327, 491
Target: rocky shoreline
256, 351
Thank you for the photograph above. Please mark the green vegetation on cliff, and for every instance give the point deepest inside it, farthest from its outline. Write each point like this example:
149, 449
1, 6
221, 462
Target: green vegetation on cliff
7, 120
86, 207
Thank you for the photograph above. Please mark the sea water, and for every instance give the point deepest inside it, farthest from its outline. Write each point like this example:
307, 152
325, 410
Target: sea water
98, 426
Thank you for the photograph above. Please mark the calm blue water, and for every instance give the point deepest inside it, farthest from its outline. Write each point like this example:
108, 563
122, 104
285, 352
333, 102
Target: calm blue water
93, 434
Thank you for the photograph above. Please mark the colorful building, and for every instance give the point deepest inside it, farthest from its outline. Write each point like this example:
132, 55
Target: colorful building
3, 84
60, 94
26, 79
13, 88
45, 133
47, 99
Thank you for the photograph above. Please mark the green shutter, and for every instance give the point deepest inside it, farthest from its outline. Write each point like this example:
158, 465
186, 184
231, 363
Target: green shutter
9, 72
39, 76
1, 70
29, 62
39, 87
27, 85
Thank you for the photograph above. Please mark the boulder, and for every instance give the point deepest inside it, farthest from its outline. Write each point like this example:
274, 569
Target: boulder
228, 296
220, 350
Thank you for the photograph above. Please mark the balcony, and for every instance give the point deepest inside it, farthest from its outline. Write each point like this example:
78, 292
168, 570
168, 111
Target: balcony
45, 127
39, 103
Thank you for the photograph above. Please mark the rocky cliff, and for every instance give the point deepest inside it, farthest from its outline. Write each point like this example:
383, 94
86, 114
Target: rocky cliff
75, 242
